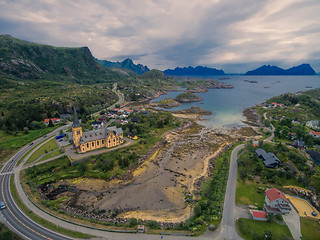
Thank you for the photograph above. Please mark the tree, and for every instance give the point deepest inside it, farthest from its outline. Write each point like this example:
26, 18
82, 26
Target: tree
50, 123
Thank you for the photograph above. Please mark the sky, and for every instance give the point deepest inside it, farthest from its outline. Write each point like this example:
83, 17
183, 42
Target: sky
233, 35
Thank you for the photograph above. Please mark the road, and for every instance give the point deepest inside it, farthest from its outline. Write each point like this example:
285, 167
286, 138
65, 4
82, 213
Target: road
269, 139
228, 229
120, 99
12, 214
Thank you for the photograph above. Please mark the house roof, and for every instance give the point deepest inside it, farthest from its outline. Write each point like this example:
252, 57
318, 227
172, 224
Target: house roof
52, 119
315, 133
96, 123
261, 152
269, 158
259, 214
274, 194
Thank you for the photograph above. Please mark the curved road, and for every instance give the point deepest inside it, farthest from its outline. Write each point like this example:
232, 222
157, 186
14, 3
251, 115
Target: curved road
16, 219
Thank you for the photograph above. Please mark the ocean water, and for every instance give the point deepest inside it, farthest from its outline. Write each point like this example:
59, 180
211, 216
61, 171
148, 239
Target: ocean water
227, 104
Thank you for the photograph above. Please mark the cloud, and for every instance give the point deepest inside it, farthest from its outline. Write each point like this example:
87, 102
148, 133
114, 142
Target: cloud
165, 34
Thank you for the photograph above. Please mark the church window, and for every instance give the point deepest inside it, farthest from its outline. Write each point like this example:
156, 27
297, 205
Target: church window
97, 142
114, 140
102, 141
92, 144
87, 145
78, 132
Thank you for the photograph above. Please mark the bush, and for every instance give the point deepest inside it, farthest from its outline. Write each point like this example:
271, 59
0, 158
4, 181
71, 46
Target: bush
153, 224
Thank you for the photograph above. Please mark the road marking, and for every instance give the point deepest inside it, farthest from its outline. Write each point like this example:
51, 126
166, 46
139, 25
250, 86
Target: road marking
2, 184
6, 173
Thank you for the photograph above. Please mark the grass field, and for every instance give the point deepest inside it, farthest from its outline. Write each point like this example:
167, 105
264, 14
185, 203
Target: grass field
10, 143
47, 147
42, 221
251, 230
247, 194
310, 229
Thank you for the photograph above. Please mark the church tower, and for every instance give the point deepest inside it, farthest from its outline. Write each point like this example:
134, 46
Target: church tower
76, 129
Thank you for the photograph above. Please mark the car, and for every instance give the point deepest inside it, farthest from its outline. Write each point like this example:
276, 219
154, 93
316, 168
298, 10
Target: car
11, 160
31, 144
60, 140
45, 135
2, 205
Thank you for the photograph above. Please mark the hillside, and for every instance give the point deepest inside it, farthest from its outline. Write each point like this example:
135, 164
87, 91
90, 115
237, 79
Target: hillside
303, 69
127, 64
190, 71
25, 60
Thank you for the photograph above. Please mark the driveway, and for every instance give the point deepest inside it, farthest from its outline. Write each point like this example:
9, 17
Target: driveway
293, 222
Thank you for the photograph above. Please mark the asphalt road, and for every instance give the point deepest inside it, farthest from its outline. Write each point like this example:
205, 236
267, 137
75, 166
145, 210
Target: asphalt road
228, 228
120, 100
12, 214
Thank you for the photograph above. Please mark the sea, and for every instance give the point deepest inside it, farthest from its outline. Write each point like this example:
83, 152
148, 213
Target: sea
227, 105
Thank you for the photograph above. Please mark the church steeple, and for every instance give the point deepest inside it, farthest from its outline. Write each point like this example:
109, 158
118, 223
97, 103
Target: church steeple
76, 122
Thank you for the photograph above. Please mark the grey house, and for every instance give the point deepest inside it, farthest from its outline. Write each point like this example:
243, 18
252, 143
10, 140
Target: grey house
269, 159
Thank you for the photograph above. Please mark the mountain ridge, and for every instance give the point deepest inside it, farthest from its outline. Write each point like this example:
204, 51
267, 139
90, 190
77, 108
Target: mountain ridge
302, 69
25, 60
127, 64
191, 71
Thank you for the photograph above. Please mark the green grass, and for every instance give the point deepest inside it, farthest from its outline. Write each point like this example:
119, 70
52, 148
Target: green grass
51, 155
7, 234
10, 143
310, 229
42, 221
248, 193
251, 230
47, 147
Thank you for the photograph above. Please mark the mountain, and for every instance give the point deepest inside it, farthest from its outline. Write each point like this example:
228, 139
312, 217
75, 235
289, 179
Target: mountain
190, 71
24, 60
127, 63
303, 69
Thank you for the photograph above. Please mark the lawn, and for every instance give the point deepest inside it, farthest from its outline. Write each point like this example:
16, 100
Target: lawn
249, 193
251, 230
310, 229
46, 148
10, 143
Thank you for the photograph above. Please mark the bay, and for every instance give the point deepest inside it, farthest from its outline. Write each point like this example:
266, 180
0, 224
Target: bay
227, 104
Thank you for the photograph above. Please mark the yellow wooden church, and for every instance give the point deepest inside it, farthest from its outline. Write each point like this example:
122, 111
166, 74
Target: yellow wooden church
95, 139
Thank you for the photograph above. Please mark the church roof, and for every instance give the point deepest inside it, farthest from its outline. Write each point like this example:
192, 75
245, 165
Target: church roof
76, 122
102, 133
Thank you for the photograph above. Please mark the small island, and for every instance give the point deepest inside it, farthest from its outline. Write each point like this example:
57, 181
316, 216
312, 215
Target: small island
167, 103
187, 97
194, 110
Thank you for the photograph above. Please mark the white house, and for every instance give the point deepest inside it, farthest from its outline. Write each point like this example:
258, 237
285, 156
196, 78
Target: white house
313, 124
276, 202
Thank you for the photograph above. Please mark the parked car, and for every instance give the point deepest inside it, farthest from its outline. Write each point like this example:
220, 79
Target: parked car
45, 135
2, 205
31, 144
